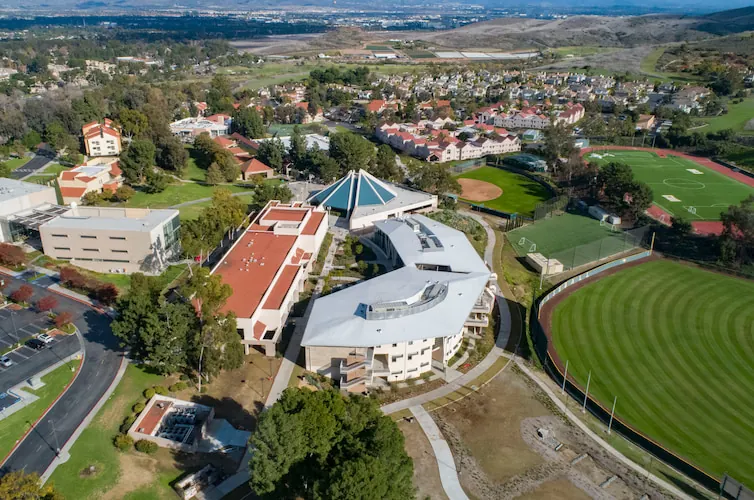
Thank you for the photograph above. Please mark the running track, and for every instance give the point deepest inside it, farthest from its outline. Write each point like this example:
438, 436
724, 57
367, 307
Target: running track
700, 227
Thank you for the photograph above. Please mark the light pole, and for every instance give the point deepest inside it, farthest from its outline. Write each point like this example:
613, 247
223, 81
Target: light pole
57, 444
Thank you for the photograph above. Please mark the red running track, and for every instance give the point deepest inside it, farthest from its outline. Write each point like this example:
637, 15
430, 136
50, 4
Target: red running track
700, 227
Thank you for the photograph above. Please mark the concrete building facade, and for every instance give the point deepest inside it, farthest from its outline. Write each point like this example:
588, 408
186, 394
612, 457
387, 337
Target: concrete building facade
113, 240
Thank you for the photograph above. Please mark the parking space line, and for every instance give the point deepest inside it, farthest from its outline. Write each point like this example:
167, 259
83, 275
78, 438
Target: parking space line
18, 353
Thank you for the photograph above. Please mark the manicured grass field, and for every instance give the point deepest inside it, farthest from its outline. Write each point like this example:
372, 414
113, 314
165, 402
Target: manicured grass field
573, 239
736, 118
674, 343
15, 163
192, 212
14, 426
707, 193
520, 194
175, 194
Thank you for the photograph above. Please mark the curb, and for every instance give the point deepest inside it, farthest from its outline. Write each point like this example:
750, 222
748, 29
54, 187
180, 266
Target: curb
47, 410
65, 449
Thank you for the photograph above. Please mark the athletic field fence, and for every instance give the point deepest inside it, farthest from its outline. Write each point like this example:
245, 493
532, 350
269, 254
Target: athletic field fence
467, 165
547, 208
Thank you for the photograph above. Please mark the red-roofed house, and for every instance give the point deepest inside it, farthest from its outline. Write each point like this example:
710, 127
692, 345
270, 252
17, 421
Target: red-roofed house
253, 167
571, 115
98, 175
267, 268
101, 139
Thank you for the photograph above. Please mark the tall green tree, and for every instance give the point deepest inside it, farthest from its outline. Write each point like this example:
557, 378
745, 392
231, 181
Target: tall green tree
132, 122
558, 142
297, 150
385, 165
433, 178
351, 151
322, 445
248, 122
272, 153
737, 239
220, 95
172, 156
18, 485
215, 175
137, 159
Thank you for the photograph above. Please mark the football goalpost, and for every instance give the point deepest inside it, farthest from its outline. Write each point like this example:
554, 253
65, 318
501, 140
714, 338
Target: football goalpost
527, 243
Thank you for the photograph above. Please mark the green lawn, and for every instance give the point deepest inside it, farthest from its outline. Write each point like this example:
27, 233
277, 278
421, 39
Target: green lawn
123, 281
14, 426
649, 68
520, 194
700, 196
284, 130
736, 118
175, 194
674, 344
573, 239
193, 171
192, 212
15, 163
95, 446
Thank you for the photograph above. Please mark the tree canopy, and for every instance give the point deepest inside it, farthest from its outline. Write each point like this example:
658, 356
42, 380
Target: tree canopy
18, 485
351, 152
322, 445
737, 239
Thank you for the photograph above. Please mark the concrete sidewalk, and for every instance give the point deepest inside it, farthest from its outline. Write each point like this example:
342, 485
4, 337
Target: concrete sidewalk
445, 463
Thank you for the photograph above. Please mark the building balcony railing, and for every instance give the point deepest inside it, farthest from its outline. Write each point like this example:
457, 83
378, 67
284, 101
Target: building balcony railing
483, 306
346, 367
350, 384
472, 321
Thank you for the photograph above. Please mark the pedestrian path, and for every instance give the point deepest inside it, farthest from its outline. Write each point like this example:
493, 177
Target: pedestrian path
445, 463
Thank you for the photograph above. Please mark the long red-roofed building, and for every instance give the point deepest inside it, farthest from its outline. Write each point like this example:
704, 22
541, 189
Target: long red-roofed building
267, 268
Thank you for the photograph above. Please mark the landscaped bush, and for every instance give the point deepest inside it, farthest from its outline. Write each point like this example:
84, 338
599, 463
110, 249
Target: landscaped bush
158, 389
11, 255
62, 319
23, 294
178, 386
123, 442
106, 293
147, 447
149, 393
127, 423
138, 407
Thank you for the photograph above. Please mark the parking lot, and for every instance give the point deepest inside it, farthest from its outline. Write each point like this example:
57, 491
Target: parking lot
20, 325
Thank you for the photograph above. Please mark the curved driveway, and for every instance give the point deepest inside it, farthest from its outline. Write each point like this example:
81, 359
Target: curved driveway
102, 359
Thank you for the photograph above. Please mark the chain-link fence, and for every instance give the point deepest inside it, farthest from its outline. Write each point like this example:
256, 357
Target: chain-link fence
464, 166
596, 251
546, 208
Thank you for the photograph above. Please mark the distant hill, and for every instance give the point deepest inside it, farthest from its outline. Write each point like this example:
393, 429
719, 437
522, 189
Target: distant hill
520, 33
728, 21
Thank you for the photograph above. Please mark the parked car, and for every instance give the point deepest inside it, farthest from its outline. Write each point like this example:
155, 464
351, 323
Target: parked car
45, 338
35, 344
6, 361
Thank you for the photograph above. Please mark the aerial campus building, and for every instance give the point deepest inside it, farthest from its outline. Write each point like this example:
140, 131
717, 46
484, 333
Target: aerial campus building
402, 324
267, 268
364, 199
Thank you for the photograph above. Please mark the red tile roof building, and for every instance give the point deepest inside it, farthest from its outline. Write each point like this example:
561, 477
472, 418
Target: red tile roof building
267, 268
101, 139
97, 175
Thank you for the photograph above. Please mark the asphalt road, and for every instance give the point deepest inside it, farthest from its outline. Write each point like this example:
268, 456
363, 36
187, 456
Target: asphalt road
31, 167
101, 363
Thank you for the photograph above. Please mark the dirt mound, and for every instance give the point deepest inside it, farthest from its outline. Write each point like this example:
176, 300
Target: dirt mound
475, 190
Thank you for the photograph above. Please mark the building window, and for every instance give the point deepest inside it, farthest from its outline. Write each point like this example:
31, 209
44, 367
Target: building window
115, 260
83, 258
396, 358
90, 249
62, 248
410, 342
88, 236
119, 251
425, 364
60, 236
122, 238
395, 345
411, 370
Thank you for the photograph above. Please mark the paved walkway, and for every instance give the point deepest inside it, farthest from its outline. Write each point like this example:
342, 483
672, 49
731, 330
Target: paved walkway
445, 463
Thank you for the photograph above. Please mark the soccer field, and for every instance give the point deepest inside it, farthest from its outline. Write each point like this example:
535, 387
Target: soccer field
573, 239
674, 343
520, 194
681, 187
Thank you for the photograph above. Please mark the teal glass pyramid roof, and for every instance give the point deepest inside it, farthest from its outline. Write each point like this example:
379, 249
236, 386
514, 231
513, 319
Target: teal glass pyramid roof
354, 189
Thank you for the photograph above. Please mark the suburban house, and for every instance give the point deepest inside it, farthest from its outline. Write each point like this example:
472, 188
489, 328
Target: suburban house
646, 122
101, 139
113, 240
267, 268
406, 322
96, 175
364, 199
188, 128
572, 114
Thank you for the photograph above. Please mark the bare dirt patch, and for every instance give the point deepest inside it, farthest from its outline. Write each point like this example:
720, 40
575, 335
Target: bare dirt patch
136, 471
494, 436
426, 474
476, 190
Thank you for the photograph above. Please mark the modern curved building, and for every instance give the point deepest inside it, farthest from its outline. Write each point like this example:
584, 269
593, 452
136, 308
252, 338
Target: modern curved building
363, 199
400, 325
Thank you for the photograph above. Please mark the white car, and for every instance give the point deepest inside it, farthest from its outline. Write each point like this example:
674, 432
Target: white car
45, 338
6, 361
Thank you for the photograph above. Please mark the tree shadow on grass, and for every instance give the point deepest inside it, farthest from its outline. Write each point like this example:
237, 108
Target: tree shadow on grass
231, 410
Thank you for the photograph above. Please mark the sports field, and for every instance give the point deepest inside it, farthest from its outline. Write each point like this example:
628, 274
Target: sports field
520, 194
681, 187
571, 238
674, 343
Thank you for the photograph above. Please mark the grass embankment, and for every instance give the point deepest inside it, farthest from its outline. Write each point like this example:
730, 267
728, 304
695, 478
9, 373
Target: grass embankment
520, 194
